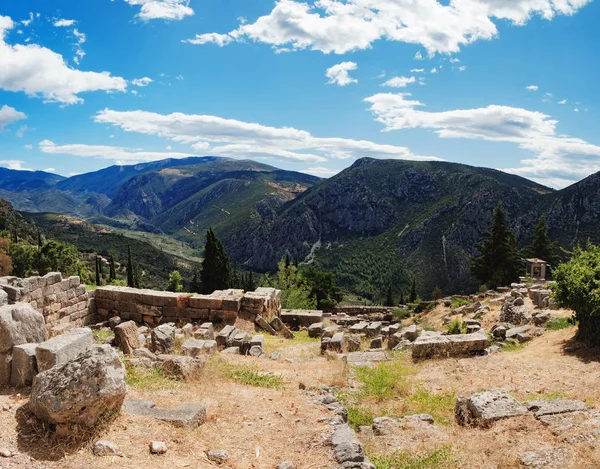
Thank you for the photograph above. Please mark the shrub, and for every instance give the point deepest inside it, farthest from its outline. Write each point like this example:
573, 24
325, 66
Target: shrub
458, 302
457, 326
399, 314
384, 381
578, 287
556, 324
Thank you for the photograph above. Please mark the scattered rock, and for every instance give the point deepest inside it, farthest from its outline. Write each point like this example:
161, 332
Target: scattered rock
127, 337
488, 406
114, 322
544, 407
178, 367
190, 415
218, 455
5, 452
315, 330
376, 343
285, 465
353, 343
163, 339
346, 447
24, 365
106, 448
80, 391
158, 447
553, 458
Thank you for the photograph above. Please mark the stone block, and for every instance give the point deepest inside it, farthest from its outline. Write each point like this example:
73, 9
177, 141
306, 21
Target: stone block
20, 324
315, 330
63, 348
543, 407
353, 343
190, 415
489, 406
264, 325
376, 343
5, 368
126, 336
374, 329
276, 324
359, 328
337, 343
296, 318
52, 278
223, 335
192, 347
24, 365
180, 367
163, 339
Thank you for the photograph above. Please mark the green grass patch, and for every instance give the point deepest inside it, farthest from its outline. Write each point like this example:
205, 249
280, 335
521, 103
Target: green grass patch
556, 324
458, 302
399, 314
273, 343
439, 406
253, 376
384, 381
513, 346
457, 326
544, 396
437, 459
100, 336
359, 416
148, 379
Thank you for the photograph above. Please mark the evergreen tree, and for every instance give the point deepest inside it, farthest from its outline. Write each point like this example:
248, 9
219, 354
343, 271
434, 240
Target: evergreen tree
236, 281
250, 285
401, 298
130, 273
542, 247
389, 297
437, 293
195, 286
97, 271
498, 263
112, 274
412, 297
287, 260
175, 282
216, 271
39, 239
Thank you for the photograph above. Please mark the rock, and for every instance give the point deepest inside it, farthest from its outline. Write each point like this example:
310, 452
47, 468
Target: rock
158, 447
255, 351
337, 342
232, 350
258, 340
163, 339
499, 332
315, 330
264, 325
410, 333
223, 335
553, 458
366, 358
488, 406
353, 343
522, 338
63, 348
388, 425
80, 391
192, 347
492, 349
374, 329
514, 313
297, 318
183, 368
126, 337
544, 407
24, 365
218, 455
428, 346
20, 324
106, 448
206, 331
114, 322
346, 447
144, 353
359, 328
210, 346
376, 343
188, 330
5, 452
190, 415
542, 317
277, 324
285, 465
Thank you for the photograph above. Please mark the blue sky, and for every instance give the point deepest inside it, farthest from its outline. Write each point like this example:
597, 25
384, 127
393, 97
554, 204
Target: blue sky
312, 86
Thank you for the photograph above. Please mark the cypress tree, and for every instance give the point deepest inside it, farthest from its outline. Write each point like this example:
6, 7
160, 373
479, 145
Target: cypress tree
401, 298
39, 239
542, 247
112, 273
130, 275
389, 297
412, 297
97, 271
216, 271
499, 262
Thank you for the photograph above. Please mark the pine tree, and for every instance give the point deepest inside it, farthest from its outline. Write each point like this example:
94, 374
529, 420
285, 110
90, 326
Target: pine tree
39, 239
437, 293
216, 271
112, 273
401, 298
412, 297
542, 247
236, 282
498, 263
130, 273
250, 285
389, 297
97, 271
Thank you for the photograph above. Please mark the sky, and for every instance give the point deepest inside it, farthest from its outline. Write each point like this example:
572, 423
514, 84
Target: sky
306, 85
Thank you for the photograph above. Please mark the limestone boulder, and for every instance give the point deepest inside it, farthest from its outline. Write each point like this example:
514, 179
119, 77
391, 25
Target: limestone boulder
183, 368
20, 324
127, 337
81, 391
163, 339
63, 348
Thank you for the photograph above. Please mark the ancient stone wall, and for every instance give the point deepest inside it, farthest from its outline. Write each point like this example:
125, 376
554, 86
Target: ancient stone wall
158, 307
358, 310
65, 303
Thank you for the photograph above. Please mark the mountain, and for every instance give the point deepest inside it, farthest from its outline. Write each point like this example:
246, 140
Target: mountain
19, 181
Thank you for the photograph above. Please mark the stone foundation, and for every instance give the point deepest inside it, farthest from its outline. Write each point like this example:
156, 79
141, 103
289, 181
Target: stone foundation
64, 303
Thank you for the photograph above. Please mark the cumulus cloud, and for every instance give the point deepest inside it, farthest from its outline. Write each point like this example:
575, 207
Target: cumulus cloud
107, 152
558, 159
532, 88
64, 23
141, 81
399, 82
338, 74
564, 101
162, 9
228, 137
8, 115
215, 38
38, 71
342, 26
14, 164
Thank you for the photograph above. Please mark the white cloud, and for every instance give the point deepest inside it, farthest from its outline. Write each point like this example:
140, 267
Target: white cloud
417, 70
338, 74
399, 82
462, 68
8, 115
564, 101
433, 70
228, 137
80, 39
179, 77
14, 164
134, 92
64, 23
532, 88
558, 159
454, 60
576, 110
162, 9
342, 26
49, 170
321, 171
21, 132
418, 55
28, 147
38, 71
107, 152
215, 38
141, 81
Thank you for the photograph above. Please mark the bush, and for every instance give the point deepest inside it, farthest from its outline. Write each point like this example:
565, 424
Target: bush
399, 314
457, 326
578, 287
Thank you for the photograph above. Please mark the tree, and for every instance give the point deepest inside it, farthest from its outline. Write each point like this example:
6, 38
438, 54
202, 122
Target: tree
175, 282
295, 293
6, 264
112, 272
195, 286
389, 297
236, 279
130, 273
55, 256
542, 247
577, 287
97, 271
412, 296
498, 263
249, 284
23, 256
322, 286
437, 293
216, 271
401, 298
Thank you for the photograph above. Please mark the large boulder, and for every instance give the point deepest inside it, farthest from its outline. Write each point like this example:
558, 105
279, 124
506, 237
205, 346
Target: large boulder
163, 339
80, 391
183, 368
63, 348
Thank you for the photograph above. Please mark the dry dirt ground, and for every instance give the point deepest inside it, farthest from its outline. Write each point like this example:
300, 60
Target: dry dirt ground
260, 427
